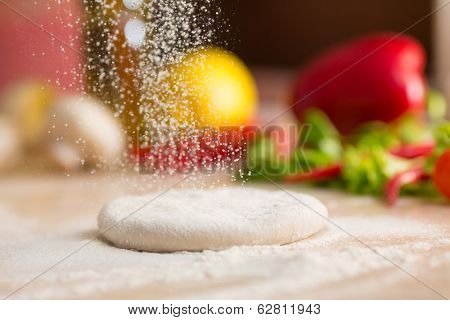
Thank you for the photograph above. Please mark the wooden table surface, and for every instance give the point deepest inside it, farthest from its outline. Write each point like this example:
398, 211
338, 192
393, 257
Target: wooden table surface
55, 202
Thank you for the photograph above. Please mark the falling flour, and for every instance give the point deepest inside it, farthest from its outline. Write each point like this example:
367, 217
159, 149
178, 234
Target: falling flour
132, 50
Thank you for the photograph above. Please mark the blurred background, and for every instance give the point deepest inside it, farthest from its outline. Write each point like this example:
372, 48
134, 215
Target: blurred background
43, 46
261, 32
289, 33
282, 38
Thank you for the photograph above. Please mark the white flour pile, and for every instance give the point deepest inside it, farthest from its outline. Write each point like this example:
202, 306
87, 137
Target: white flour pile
312, 268
196, 220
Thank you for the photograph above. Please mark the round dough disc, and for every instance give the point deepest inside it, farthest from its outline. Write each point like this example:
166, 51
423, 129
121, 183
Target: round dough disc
196, 220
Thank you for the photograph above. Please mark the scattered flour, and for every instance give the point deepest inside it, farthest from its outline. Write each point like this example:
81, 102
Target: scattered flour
131, 58
294, 270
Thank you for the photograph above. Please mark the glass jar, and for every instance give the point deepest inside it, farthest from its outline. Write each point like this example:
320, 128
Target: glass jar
114, 31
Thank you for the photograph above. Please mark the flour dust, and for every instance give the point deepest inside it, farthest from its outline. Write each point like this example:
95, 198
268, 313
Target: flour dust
132, 48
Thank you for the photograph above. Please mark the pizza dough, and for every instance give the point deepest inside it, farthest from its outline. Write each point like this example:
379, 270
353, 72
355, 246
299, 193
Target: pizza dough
196, 220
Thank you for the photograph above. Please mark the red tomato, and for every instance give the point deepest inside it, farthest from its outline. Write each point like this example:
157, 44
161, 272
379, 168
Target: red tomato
441, 175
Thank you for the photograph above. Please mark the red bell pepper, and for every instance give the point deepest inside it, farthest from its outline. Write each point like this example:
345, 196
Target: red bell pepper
441, 174
414, 151
394, 185
375, 78
317, 174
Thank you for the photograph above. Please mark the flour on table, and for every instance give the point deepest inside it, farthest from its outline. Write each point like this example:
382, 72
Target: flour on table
215, 219
304, 269
328, 265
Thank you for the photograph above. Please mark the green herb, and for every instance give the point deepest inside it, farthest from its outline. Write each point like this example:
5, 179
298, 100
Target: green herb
442, 140
263, 159
367, 169
365, 157
306, 159
411, 130
442, 137
320, 127
321, 134
436, 106
407, 130
375, 134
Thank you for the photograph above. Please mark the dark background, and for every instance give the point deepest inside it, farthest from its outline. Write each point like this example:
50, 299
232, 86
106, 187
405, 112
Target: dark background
287, 33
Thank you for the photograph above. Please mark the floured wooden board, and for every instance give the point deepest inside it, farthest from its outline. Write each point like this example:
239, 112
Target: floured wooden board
46, 219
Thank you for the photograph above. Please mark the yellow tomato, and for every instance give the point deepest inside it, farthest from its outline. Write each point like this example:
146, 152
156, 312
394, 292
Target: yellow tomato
218, 88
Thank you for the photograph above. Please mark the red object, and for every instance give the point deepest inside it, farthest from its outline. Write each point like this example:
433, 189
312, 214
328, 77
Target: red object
375, 78
414, 151
395, 184
186, 154
41, 40
318, 174
441, 174
251, 133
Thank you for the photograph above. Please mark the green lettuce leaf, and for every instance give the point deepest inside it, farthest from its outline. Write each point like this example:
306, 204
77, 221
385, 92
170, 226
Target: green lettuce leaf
367, 169
322, 135
436, 106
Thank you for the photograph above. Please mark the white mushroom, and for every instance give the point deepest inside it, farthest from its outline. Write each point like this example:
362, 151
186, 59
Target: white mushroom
82, 130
